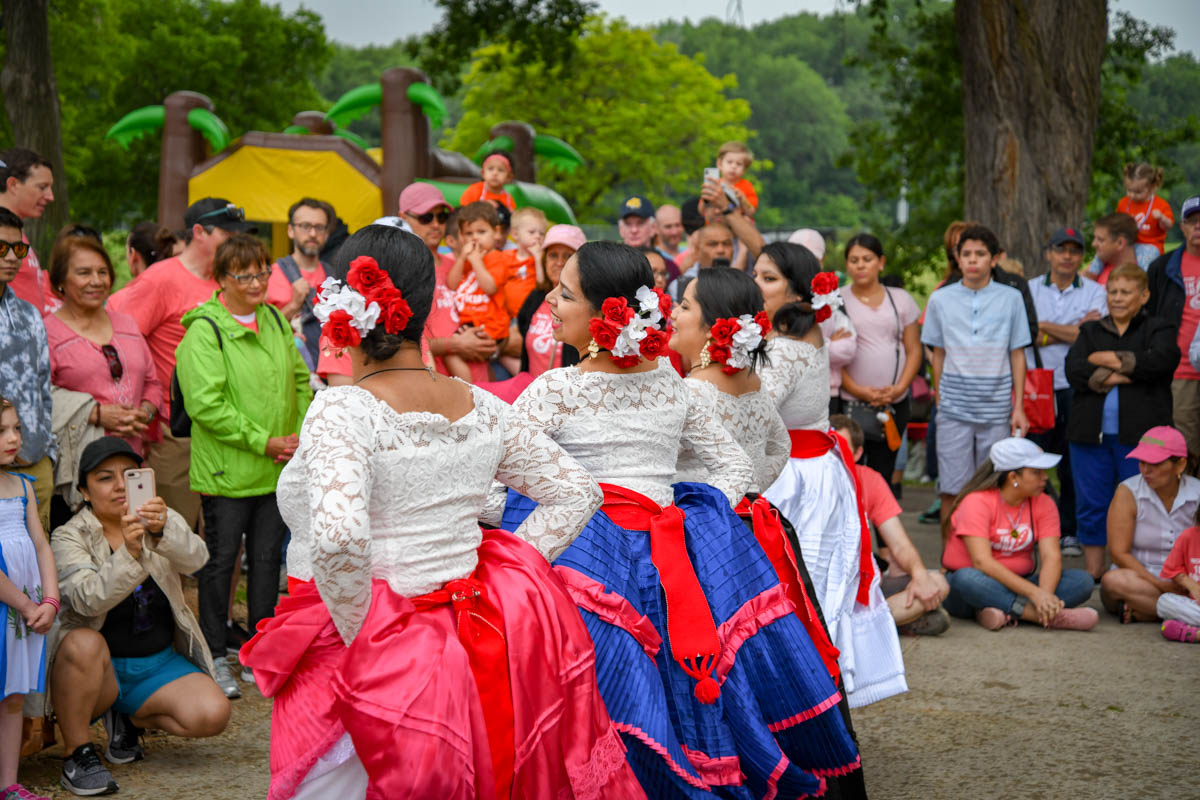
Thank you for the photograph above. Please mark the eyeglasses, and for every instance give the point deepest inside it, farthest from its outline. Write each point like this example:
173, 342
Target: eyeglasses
84, 230
20, 249
230, 210
245, 278
114, 361
308, 227
429, 216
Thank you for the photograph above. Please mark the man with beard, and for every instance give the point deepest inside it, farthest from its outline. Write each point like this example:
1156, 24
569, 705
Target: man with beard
296, 277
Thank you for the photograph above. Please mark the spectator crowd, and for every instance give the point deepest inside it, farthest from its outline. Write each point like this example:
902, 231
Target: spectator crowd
144, 429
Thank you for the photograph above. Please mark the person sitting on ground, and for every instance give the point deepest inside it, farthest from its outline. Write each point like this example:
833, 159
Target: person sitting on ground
1181, 613
1148, 513
477, 279
993, 525
1120, 367
914, 593
127, 647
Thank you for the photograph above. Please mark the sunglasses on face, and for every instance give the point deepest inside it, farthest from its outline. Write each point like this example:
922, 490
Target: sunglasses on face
20, 249
230, 211
429, 216
246, 278
115, 369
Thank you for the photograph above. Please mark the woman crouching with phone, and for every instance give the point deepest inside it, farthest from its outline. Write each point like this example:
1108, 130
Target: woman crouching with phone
128, 648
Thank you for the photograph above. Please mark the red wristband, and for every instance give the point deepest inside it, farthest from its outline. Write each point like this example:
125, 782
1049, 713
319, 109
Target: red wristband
53, 601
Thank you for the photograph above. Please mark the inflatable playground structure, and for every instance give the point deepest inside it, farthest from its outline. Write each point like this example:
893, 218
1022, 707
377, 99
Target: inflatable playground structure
316, 156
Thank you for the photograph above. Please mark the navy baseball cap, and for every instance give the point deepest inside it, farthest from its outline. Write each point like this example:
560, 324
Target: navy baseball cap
1064, 235
1190, 206
217, 212
636, 206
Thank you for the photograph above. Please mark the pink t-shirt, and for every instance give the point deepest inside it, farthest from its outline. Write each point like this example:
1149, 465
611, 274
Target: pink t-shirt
544, 352
279, 288
1190, 266
32, 283
984, 513
878, 501
1184, 557
879, 358
79, 365
443, 317
157, 299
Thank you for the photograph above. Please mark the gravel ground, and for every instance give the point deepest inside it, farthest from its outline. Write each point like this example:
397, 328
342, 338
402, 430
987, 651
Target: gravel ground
1020, 713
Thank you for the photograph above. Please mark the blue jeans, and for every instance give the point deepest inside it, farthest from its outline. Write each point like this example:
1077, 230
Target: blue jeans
971, 590
1097, 469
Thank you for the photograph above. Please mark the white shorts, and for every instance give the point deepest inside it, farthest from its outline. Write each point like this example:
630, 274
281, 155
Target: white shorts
962, 447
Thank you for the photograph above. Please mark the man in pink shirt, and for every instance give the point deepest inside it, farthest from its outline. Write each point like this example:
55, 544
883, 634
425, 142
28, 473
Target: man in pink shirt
157, 300
296, 277
26, 188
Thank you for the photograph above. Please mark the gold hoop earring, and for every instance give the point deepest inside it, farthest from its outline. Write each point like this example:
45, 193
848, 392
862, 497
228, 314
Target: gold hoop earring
705, 356
593, 349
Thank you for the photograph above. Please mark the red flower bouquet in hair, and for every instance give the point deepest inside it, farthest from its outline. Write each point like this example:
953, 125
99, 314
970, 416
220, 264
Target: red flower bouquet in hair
824, 283
654, 344
664, 303
394, 310
722, 332
341, 331
616, 310
825, 295
604, 332
367, 278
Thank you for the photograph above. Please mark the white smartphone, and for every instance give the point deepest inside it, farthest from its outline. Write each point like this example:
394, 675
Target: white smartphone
712, 174
139, 488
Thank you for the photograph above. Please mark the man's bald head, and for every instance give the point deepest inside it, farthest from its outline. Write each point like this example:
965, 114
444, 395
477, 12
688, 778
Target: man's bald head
670, 226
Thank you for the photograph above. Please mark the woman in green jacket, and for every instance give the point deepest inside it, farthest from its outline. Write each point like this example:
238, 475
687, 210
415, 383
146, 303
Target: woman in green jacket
245, 387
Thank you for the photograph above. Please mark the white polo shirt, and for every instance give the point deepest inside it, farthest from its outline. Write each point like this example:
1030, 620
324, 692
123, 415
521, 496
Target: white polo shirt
1063, 307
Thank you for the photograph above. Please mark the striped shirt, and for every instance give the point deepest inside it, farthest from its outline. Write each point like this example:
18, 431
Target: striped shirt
978, 329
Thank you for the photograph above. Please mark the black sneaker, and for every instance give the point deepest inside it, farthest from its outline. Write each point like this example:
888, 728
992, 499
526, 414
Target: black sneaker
123, 746
235, 637
83, 773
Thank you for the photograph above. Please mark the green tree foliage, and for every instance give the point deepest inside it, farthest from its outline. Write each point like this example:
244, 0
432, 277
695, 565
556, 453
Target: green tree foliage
257, 64
538, 31
647, 118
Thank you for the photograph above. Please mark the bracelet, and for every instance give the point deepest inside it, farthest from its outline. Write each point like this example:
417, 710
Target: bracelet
52, 601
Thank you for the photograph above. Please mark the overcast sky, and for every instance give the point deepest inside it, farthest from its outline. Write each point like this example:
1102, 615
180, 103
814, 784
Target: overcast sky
360, 22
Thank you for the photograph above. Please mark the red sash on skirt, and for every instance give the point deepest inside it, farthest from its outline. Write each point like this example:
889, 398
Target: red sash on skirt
690, 626
768, 530
811, 444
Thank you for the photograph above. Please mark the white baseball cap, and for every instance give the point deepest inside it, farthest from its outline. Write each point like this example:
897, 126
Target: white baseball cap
1015, 453
813, 240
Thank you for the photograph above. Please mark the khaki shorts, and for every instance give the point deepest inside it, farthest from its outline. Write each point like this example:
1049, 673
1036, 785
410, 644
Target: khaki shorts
1185, 396
43, 488
171, 459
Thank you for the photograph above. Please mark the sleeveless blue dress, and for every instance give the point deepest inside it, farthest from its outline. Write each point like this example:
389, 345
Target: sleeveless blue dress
22, 652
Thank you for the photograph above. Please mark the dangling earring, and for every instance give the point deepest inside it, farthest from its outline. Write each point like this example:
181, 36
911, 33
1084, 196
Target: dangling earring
593, 349
705, 357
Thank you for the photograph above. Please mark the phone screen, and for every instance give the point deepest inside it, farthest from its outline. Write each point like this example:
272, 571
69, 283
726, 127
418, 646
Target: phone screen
711, 174
139, 487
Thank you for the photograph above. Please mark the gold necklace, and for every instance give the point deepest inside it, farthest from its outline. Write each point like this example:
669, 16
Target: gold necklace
1012, 526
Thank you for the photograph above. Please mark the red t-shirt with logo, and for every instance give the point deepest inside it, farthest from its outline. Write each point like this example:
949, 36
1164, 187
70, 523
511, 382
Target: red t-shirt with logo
477, 307
543, 351
157, 300
1185, 556
1012, 530
1190, 267
1149, 231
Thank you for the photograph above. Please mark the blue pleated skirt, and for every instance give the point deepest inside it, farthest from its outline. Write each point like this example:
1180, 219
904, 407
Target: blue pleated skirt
775, 729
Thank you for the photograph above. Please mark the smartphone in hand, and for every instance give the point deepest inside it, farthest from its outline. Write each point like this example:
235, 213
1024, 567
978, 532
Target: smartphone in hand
139, 488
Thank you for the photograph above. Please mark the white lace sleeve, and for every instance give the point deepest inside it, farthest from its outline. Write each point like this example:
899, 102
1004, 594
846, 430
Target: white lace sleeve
337, 438
729, 468
704, 395
778, 451
566, 494
787, 363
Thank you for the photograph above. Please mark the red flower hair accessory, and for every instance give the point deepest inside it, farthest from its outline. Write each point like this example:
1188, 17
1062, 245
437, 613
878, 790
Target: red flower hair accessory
350, 311
734, 340
825, 295
631, 334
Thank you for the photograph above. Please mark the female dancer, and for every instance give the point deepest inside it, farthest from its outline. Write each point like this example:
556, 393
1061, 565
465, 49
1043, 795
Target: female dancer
465, 671
817, 488
702, 664
721, 327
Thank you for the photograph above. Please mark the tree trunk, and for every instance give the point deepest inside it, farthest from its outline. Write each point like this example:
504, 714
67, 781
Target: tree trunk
31, 100
1031, 96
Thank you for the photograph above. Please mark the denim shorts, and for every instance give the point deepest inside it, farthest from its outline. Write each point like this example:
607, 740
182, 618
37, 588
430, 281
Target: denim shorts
138, 678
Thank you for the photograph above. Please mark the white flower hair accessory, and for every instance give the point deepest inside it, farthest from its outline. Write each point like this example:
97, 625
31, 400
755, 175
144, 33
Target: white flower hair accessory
338, 306
734, 340
631, 334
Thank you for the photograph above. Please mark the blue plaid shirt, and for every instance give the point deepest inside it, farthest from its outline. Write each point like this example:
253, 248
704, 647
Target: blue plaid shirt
25, 375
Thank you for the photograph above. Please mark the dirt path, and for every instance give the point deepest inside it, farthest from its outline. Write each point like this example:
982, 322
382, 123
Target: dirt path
1020, 713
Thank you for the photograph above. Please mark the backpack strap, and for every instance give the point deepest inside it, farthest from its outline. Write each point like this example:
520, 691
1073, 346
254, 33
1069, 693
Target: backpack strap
278, 318
216, 330
291, 270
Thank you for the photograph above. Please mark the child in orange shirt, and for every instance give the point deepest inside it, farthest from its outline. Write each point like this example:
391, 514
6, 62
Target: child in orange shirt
733, 159
477, 278
523, 266
1151, 212
496, 172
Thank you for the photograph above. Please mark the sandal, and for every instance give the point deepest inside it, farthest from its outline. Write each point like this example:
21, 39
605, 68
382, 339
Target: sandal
1124, 613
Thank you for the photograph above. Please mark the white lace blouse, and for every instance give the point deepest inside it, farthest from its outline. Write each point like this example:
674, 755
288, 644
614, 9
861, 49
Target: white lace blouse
373, 493
797, 378
753, 422
627, 428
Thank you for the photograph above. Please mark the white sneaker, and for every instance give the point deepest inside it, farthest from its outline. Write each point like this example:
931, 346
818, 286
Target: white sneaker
1070, 546
247, 676
225, 679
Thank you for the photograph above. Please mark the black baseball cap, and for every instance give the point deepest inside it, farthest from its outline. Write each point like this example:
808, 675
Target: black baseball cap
1064, 235
636, 206
217, 212
100, 451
